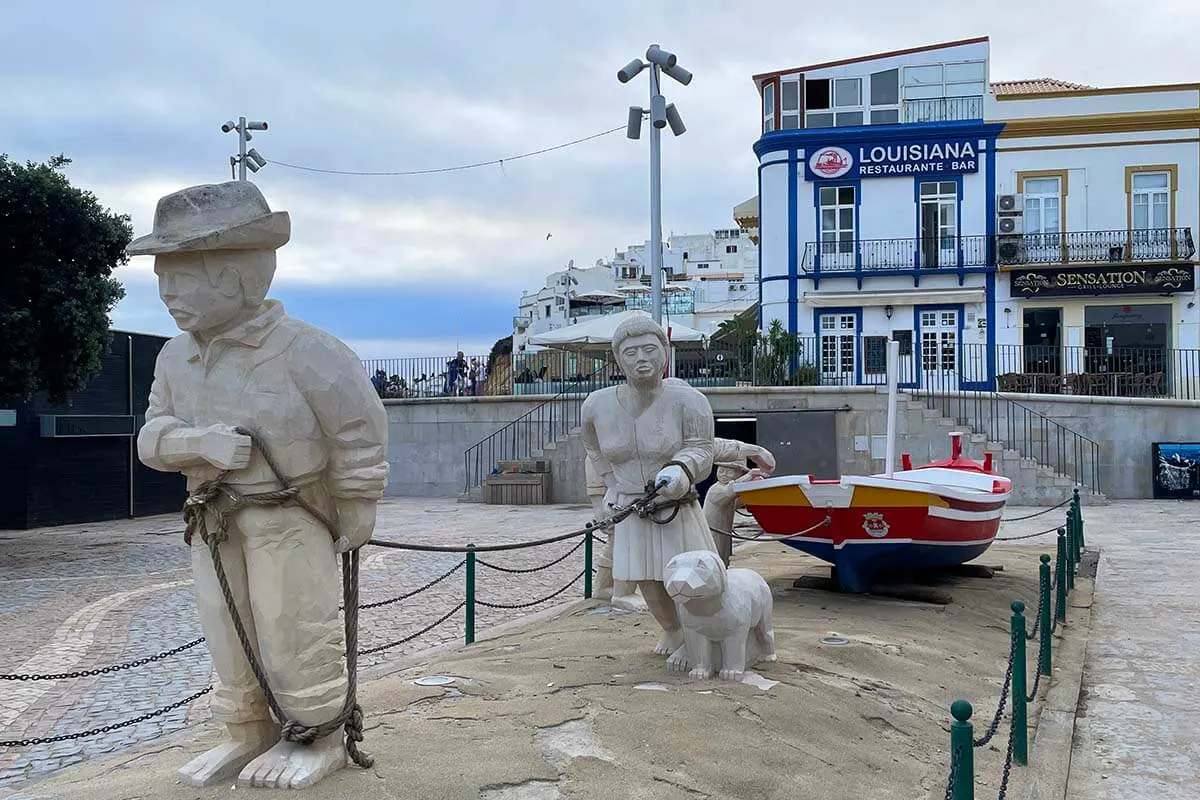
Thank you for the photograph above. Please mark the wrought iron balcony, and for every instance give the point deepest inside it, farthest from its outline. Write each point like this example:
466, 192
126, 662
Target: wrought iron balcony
943, 109
1096, 247
952, 252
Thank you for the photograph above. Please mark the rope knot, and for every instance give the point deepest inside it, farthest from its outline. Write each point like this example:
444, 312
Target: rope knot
293, 731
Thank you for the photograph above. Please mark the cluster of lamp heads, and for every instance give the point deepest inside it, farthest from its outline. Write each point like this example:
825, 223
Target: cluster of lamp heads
660, 112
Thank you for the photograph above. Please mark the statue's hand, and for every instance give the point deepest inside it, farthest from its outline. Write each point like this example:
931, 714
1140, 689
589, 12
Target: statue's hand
764, 459
672, 482
356, 523
223, 447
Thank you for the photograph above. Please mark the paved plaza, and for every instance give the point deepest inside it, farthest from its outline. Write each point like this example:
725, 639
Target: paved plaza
80, 597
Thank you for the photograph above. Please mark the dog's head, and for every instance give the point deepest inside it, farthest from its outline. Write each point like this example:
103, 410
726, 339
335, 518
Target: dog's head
694, 575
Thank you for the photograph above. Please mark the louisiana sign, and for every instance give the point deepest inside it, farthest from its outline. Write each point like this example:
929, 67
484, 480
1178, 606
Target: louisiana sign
953, 156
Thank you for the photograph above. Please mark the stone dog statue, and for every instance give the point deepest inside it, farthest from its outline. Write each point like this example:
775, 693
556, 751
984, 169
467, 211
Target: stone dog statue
241, 366
725, 614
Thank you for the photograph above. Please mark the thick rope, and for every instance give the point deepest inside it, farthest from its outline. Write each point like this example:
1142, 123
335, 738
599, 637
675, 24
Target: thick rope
204, 499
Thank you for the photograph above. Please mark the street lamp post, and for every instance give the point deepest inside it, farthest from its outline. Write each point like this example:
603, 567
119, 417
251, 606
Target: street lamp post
245, 158
661, 115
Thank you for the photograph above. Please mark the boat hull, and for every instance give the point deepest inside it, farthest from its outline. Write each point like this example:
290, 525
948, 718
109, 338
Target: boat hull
878, 525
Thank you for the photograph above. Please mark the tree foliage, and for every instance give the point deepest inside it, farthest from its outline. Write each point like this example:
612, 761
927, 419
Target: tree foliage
58, 249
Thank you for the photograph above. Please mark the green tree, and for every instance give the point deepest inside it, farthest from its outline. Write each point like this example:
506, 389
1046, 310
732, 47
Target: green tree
58, 248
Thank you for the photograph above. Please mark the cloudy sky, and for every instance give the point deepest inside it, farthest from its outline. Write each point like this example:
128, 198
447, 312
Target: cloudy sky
134, 91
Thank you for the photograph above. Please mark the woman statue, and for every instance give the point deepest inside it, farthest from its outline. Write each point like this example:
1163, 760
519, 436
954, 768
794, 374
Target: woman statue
651, 430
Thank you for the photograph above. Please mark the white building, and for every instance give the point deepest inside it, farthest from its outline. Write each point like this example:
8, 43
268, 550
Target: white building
707, 279
903, 195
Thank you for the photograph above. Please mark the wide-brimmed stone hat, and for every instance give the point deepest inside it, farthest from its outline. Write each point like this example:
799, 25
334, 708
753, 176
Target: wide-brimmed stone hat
215, 216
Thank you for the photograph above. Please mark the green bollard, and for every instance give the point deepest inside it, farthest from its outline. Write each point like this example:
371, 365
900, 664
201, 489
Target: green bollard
962, 751
1060, 577
1073, 534
1020, 725
470, 615
1044, 638
587, 565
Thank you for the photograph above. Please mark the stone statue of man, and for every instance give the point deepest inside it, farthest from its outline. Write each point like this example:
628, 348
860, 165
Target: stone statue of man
241, 364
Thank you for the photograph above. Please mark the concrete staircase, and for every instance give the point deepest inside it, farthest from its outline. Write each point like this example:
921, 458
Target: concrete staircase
1034, 484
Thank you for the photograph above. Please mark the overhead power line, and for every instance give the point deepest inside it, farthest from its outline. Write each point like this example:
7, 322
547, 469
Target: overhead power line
494, 162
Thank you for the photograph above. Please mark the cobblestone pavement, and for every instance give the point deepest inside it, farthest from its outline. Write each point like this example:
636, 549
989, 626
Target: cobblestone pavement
80, 597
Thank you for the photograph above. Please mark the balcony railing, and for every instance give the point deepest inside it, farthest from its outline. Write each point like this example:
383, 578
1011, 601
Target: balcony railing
1082, 247
671, 305
943, 109
596, 311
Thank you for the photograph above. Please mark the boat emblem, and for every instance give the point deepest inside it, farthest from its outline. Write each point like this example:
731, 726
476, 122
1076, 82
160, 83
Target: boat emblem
874, 524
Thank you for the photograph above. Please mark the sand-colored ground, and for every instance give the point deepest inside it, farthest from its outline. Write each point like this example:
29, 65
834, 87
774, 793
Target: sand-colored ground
578, 707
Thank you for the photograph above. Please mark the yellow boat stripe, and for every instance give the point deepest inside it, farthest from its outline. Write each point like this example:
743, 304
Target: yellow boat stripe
776, 496
868, 496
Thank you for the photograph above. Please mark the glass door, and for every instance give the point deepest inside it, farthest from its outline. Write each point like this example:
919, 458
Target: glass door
939, 224
1043, 223
939, 349
839, 333
837, 227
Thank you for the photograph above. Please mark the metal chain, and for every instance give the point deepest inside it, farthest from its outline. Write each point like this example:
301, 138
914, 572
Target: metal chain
535, 602
88, 673
954, 757
66, 737
1037, 680
1037, 513
987, 737
415, 592
368, 651
1028, 535
514, 571
1007, 761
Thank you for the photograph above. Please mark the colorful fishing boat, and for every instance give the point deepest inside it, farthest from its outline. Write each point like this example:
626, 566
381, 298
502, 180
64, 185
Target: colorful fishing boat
937, 515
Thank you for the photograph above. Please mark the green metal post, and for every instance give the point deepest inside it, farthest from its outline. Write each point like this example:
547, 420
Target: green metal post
1060, 578
1044, 638
1073, 534
1020, 727
587, 565
1079, 521
470, 623
1070, 553
962, 751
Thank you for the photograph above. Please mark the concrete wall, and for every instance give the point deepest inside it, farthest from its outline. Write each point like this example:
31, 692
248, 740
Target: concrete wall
429, 436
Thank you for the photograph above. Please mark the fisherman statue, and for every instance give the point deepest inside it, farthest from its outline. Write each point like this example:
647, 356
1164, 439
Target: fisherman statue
283, 441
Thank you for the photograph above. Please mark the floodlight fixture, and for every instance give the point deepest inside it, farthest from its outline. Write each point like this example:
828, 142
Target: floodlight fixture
257, 125
253, 167
245, 159
229, 125
675, 121
633, 129
659, 57
678, 73
256, 157
630, 70
658, 111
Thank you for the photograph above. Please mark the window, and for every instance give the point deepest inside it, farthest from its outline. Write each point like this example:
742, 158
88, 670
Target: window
885, 97
939, 223
829, 102
1151, 201
547, 309
962, 79
789, 105
939, 342
731, 248
838, 335
768, 106
837, 219
1043, 205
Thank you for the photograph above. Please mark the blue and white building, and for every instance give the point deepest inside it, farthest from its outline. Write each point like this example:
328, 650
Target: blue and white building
905, 196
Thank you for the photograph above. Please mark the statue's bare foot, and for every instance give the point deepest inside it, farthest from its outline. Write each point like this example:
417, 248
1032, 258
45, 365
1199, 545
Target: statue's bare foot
678, 662
246, 742
295, 766
669, 642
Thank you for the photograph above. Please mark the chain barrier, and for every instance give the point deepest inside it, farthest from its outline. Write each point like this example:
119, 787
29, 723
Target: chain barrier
534, 602
379, 648
954, 757
1008, 759
1039, 513
1028, 535
416, 592
88, 673
516, 571
66, 737
995, 724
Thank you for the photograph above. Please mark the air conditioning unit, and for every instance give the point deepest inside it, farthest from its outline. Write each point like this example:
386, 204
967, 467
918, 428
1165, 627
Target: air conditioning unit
1010, 226
1010, 249
1010, 204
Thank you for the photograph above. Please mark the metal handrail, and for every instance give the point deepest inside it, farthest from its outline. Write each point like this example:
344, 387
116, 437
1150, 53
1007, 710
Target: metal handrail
543, 424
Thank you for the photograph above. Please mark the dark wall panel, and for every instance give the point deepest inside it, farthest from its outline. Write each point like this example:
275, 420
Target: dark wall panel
79, 480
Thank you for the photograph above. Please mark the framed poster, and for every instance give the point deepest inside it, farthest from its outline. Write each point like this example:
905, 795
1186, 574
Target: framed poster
1176, 470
